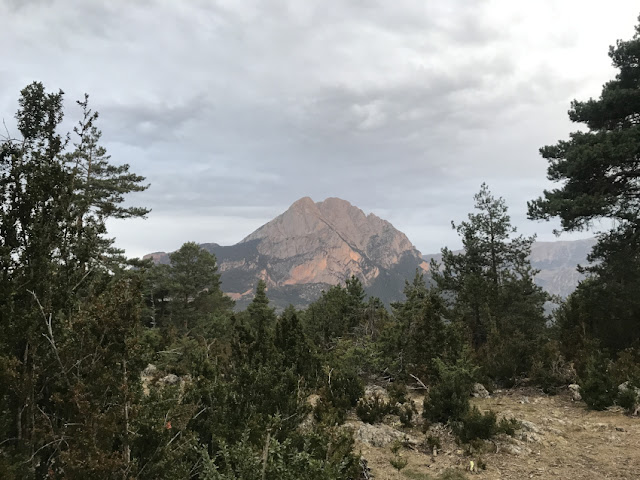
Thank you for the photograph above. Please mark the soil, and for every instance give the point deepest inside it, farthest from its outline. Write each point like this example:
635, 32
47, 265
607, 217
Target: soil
560, 439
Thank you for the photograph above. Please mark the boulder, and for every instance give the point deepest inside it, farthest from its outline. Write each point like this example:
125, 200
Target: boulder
150, 371
479, 391
574, 390
372, 391
170, 379
381, 435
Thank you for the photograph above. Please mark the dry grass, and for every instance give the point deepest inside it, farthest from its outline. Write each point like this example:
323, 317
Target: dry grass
564, 441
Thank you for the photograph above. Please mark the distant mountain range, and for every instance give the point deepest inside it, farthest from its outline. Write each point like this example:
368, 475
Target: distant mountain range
557, 263
313, 246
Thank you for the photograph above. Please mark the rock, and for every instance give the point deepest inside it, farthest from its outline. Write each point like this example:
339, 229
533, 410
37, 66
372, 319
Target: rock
529, 426
515, 449
147, 376
170, 379
574, 389
530, 437
512, 445
479, 391
381, 435
372, 391
530, 432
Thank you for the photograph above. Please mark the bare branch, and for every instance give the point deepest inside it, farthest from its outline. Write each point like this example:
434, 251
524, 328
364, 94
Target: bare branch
424, 387
48, 321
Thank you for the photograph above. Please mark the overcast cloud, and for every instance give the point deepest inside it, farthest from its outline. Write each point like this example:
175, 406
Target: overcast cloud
234, 109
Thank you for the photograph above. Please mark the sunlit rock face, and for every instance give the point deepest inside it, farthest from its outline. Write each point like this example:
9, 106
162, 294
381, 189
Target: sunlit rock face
313, 246
329, 241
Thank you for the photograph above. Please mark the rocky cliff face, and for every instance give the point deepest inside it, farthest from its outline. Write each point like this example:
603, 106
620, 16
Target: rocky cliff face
328, 241
312, 246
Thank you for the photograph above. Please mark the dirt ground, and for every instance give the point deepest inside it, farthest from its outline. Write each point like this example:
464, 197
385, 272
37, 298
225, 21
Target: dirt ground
560, 439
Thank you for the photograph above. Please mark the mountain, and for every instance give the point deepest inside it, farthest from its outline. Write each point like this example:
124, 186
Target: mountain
556, 262
311, 247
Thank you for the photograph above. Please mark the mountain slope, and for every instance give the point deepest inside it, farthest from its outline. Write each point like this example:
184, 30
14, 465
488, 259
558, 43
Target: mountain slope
557, 263
313, 246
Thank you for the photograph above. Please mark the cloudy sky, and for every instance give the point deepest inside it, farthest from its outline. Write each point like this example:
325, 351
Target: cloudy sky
234, 109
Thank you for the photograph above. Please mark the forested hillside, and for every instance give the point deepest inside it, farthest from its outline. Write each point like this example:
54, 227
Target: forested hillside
124, 369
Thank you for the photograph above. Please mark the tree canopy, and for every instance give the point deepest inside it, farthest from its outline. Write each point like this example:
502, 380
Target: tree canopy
599, 175
599, 169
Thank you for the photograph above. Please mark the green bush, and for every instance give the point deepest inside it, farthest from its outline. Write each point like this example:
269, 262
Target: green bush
626, 368
550, 370
406, 413
324, 454
448, 399
628, 399
433, 441
476, 425
326, 413
448, 474
597, 388
508, 426
397, 461
397, 392
372, 409
451, 474
339, 392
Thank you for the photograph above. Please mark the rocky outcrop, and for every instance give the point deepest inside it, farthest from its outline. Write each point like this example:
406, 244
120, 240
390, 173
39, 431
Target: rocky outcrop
479, 391
329, 241
574, 391
379, 435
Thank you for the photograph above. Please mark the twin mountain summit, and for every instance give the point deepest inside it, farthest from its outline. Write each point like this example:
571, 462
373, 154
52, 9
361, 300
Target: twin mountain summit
314, 245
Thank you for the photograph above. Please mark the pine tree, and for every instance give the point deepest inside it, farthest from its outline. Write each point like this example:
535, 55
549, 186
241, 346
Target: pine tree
53, 254
490, 288
599, 173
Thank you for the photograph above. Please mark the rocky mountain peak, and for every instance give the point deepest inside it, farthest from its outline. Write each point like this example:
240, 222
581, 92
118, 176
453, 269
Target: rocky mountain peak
314, 245
328, 241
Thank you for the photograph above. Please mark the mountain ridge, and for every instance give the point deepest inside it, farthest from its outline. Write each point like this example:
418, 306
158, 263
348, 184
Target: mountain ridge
556, 262
312, 246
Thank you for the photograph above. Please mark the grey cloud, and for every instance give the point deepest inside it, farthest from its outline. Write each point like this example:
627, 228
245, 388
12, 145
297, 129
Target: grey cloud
243, 107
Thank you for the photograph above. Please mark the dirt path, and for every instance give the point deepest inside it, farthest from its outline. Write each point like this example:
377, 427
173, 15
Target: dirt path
561, 439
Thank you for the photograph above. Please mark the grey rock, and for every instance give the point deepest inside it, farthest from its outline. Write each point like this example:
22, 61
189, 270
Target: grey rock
479, 391
381, 435
170, 379
372, 391
150, 370
574, 389
529, 426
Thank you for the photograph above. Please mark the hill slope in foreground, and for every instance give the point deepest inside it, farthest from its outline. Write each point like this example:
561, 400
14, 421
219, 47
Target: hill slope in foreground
559, 439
